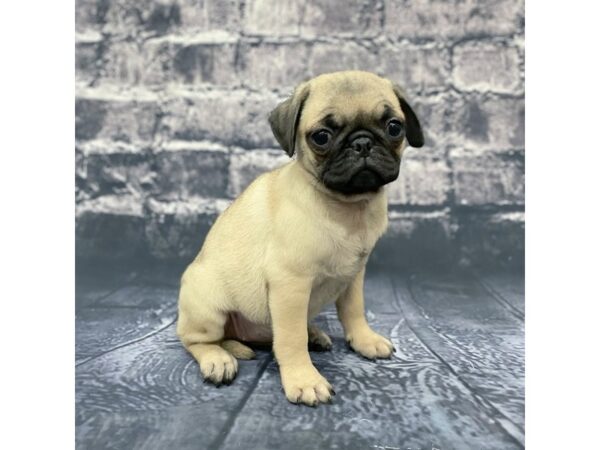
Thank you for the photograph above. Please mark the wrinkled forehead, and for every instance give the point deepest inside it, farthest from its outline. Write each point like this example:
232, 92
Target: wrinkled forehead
347, 100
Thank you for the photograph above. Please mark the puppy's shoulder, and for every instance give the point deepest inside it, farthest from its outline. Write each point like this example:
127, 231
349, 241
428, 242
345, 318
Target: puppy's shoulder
258, 190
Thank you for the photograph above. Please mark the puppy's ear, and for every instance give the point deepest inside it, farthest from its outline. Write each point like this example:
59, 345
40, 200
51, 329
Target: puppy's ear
414, 133
284, 119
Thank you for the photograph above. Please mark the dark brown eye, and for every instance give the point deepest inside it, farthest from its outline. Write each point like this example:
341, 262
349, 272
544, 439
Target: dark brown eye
321, 137
395, 128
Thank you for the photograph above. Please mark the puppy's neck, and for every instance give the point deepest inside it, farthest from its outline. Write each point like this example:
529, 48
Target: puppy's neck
366, 216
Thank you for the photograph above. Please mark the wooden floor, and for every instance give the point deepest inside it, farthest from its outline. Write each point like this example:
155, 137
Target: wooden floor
456, 382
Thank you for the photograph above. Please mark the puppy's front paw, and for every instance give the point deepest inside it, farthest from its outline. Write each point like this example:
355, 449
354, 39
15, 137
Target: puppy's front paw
371, 345
318, 340
306, 385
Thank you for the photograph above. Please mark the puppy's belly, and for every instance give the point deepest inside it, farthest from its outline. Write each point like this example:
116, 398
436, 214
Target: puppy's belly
249, 318
240, 326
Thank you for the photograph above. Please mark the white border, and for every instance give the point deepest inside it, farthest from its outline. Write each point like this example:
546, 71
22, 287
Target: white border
37, 233
562, 228
562, 224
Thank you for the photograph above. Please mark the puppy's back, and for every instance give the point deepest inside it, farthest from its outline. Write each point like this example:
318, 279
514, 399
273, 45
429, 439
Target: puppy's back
235, 247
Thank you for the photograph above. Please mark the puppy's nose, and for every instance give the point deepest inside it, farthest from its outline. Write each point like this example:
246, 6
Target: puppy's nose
362, 145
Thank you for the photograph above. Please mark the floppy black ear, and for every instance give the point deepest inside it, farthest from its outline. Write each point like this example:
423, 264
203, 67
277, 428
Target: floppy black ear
414, 133
285, 117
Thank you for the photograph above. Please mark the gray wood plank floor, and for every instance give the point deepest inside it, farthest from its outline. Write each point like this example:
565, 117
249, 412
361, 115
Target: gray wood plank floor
456, 381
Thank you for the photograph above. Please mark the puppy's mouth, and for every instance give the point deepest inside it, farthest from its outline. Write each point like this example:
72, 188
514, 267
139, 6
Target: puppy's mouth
365, 178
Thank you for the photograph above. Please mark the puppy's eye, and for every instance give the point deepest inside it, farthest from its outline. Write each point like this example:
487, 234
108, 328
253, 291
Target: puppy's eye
395, 128
321, 137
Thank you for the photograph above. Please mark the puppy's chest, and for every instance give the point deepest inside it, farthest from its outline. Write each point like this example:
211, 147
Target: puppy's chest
345, 253
345, 261
337, 270
341, 253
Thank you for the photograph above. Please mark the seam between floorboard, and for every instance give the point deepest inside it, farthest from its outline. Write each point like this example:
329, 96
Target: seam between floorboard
224, 434
120, 286
499, 298
478, 397
126, 344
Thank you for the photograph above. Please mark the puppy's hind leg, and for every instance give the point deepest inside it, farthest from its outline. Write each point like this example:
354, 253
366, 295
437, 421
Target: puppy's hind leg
318, 340
200, 327
237, 349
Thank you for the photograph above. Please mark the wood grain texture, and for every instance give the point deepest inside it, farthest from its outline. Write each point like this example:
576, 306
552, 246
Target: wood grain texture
125, 316
476, 337
507, 289
136, 386
412, 401
95, 282
115, 307
455, 382
140, 396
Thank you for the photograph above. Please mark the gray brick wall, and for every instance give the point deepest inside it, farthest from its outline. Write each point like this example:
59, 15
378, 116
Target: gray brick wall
172, 98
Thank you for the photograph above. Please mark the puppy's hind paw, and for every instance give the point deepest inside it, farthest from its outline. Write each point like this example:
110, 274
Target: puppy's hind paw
218, 367
318, 340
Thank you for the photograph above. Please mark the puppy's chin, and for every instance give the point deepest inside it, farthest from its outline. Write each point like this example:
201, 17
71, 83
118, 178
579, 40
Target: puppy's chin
349, 198
364, 181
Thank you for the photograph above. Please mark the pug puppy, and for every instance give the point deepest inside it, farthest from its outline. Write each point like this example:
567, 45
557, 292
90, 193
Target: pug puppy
298, 238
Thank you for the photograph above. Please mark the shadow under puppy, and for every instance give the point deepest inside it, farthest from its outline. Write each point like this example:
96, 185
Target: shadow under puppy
298, 238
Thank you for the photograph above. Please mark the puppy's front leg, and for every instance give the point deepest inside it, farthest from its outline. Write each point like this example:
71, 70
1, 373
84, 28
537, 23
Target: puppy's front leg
360, 336
288, 303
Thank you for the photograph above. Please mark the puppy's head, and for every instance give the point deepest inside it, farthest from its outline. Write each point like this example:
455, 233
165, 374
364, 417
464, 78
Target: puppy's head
349, 130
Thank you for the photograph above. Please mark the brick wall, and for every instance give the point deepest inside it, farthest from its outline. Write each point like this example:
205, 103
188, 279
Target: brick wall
172, 98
